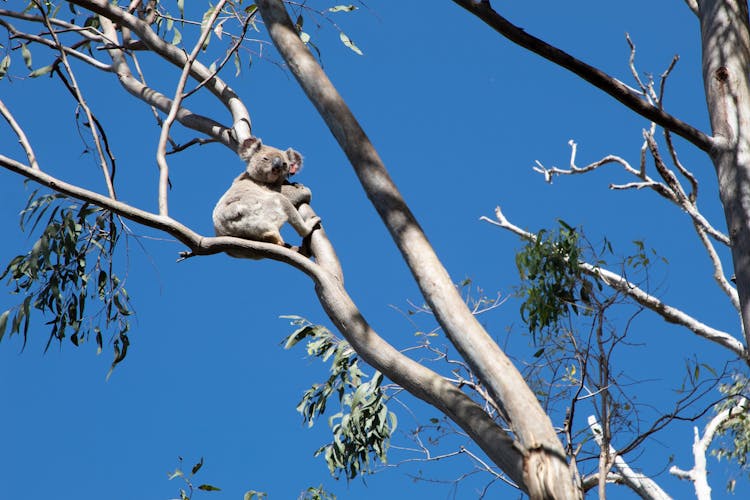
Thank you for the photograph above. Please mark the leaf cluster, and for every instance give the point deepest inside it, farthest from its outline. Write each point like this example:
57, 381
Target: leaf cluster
553, 284
363, 426
68, 266
735, 431
188, 479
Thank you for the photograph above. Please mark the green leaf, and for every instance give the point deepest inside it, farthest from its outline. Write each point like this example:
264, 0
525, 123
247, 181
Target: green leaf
197, 466
3, 323
208, 487
252, 494
237, 63
176, 37
181, 8
204, 25
26, 53
4, 65
348, 42
176, 473
342, 8
41, 71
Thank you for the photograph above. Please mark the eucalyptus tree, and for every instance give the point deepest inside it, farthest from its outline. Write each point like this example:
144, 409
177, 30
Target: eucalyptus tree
496, 405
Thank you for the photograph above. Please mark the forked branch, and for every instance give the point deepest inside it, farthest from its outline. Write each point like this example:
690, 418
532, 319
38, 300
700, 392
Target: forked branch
546, 469
610, 85
409, 374
698, 475
621, 284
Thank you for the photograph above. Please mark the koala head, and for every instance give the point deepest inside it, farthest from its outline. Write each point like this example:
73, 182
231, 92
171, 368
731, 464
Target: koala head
267, 164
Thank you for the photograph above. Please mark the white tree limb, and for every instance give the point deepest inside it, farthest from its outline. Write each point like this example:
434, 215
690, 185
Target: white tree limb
698, 474
161, 150
546, 470
643, 485
419, 380
619, 283
81, 101
22, 139
199, 72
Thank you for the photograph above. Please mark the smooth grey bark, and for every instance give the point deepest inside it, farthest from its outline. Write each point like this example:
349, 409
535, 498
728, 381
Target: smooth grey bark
240, 116
725, 38
412, 376
546, 471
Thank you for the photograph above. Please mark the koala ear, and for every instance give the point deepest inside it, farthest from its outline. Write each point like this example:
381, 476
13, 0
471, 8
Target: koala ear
249, 147
295, 161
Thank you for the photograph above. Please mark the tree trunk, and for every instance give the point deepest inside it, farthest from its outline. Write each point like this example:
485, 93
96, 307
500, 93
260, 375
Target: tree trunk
546, 471
726, 54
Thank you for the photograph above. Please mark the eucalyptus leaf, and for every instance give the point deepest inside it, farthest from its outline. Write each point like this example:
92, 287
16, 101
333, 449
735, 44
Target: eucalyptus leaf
348, 42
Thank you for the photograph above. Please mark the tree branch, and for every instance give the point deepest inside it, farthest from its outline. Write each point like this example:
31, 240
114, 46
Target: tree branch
545, 464
610, 85
153, 98
240, 115
619, 283
670, 190
644, 486
22, 139
81, 101
161, 150
698, 474
412, 376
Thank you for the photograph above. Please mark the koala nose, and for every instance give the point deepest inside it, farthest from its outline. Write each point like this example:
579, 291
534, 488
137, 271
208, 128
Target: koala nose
278, 163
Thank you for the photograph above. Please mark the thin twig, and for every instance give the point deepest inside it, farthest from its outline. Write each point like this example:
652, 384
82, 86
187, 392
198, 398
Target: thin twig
618, 282
161, 150
22, 139
81, 101
595, 76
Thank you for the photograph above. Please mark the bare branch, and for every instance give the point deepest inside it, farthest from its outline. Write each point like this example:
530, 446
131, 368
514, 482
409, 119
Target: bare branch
543, 453
671, 190
619, 283
417, 379
698, 474
596, 77
150, 96
68, 50
644, 486
161, 150
82, 102
240, 115
22, 139
719, 275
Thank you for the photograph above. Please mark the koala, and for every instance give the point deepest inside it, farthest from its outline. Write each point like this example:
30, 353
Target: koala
254, 207
296, 192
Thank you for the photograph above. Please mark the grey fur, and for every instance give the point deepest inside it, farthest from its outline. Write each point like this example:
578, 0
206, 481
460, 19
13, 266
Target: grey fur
254, 207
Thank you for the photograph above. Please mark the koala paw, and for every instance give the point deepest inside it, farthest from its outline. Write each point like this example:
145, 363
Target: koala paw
312, 223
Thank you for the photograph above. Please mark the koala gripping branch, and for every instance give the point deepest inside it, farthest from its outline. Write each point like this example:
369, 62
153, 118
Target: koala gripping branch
546, 472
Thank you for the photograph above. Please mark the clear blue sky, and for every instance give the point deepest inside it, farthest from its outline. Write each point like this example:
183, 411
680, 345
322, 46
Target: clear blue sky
459, 115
